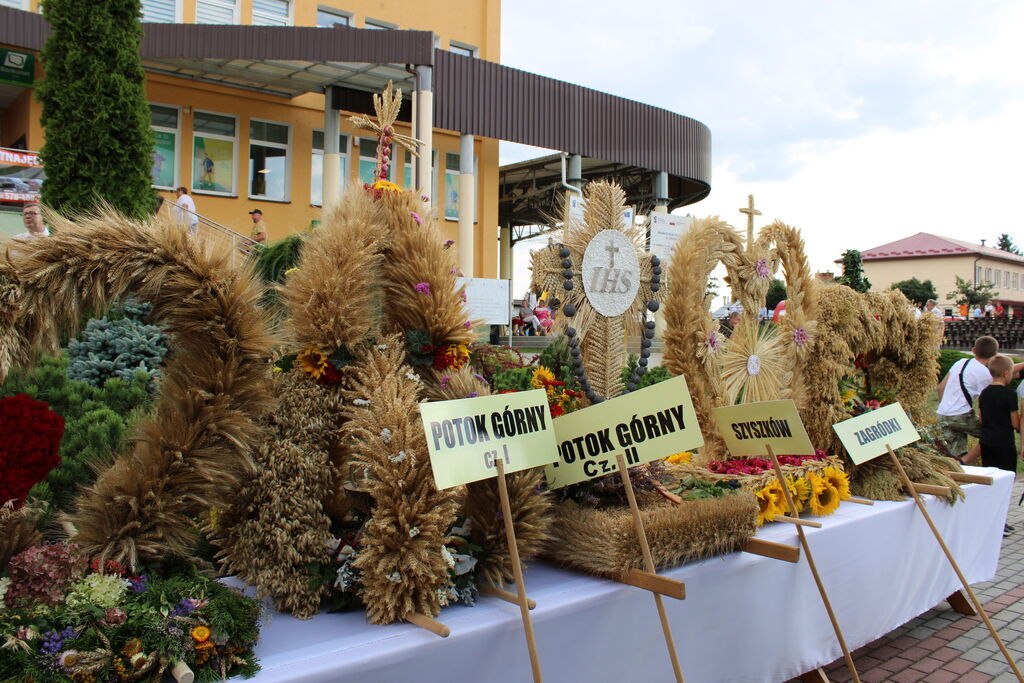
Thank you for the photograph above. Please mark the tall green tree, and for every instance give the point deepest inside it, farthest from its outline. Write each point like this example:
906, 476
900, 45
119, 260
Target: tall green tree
967, 292
1005, 242
916, 291
94, 111
776, 293
853, 272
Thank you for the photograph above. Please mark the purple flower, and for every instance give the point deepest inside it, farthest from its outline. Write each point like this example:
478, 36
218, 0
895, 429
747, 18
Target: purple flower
53, 642
444, 381
138, 583
762, 268
472, 394
713, 342
480, 377
448, 243
423, 288
184, 608
424, 198
468, 324
462, 295
800, 336
416, 217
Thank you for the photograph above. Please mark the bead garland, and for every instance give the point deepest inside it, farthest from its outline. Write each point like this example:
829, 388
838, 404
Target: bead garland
645, 344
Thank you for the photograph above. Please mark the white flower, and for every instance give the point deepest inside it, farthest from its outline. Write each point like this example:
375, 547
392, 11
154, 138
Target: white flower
448, 559
386, 435
102, 590
4, 584
414, 532
332, 543
402, 455
413, 376
464, 563
382, 347
395, 576
346, 552
463, 530
361, 402
442, 597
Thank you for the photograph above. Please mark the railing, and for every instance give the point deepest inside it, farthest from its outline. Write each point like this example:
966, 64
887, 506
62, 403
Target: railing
212, 231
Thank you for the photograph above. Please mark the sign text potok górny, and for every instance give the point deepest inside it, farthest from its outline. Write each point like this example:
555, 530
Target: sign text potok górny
644, 425
466, 436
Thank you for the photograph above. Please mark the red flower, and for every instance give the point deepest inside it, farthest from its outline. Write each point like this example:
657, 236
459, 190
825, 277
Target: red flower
330, 375
556, 411
31, 435
109, 567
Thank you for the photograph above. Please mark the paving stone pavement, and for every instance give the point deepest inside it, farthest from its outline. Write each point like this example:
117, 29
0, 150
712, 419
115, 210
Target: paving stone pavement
943, 645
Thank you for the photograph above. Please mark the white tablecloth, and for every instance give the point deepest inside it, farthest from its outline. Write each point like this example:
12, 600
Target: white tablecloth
745, 617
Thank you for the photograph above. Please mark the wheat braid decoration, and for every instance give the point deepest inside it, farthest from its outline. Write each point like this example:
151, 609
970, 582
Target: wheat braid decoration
402, 567
197, 450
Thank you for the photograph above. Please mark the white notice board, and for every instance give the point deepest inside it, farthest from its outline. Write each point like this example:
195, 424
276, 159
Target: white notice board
666, 230
487, 300
578, 205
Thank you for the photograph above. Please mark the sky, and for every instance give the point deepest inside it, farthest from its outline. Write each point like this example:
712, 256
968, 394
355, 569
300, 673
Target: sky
858, 122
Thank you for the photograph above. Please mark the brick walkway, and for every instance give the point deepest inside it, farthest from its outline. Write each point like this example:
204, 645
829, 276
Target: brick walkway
944, 645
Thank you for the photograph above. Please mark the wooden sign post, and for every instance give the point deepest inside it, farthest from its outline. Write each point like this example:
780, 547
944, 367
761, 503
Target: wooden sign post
616, 434
878, 432
756, 429
477, 438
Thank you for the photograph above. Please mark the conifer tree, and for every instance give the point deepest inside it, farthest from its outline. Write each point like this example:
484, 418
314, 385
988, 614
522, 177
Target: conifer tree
94, 110
853, 272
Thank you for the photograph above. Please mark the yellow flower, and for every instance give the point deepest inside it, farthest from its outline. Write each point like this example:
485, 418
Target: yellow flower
801, 493
386, 185
290, 271
540, 376
824, 497
767, 505
200, 634
839, 481
781, 506
312, 362
675, 458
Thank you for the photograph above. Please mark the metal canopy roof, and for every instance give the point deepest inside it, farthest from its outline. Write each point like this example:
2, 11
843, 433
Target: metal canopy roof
471, 96
531, 194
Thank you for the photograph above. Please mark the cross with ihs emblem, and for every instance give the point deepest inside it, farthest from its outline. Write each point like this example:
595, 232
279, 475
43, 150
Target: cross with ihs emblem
608, 283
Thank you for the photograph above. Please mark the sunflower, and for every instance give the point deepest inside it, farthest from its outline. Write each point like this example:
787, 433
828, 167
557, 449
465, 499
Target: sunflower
801, 493
781, 505
838, 479
312, 362
824, 497
767, 503
541, 377
386, 185
676, 458
200, 634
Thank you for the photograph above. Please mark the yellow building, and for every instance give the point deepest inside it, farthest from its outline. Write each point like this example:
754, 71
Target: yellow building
250, 102
941, 260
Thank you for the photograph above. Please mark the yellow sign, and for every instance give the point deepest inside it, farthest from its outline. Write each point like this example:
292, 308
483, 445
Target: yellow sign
749, 428
644, 425
870, 435
466, 436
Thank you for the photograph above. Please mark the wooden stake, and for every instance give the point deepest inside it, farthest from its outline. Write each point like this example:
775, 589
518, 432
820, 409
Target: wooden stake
933, 489
638, 522
797, 521
964, 478
956, 568
776, 551
517, 569
432, 625
859, 501
182, 673
673, 588
502, 594
814, 569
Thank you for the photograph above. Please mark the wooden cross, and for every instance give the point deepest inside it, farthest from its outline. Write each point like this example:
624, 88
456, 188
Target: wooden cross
751, 212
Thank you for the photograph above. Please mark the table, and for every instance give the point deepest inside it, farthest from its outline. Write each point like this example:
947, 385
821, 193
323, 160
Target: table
745, 617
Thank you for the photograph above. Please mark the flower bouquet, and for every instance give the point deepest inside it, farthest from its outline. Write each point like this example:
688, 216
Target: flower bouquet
62, 618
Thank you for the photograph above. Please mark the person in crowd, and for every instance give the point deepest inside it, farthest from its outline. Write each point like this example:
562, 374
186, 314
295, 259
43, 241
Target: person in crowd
931, 307
185, 211
964, 382
544, 317
32, 219
999, 311
530, 322
990, 310
259, 228
729, 326
976, 313
1000, 419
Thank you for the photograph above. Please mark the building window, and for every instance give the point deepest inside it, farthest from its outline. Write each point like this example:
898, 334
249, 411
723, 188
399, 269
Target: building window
316, 190
327, 17
1016, 281
160, 11
977, 275
368, 161
451, 186
996, 281
407, 171
213, 153
16, 4
988, 275
164, 122
1006, 279
462, 49
268, 160
378, 24
270, 12
216, 11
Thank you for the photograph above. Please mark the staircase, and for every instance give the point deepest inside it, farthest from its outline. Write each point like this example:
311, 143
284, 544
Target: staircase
212, 232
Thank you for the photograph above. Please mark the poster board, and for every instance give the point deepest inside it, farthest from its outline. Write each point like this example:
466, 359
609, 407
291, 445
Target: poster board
749, 428
487, 299
870, 435
666, 230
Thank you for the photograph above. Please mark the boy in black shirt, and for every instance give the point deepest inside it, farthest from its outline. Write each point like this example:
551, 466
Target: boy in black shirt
1000, 419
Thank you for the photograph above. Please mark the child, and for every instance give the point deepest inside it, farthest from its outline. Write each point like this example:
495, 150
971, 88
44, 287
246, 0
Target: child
1000, 419
957, 391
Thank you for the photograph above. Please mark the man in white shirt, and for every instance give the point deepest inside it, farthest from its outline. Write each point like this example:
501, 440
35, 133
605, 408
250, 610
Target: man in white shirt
32, 218
185, 211
962, 384
930, 307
